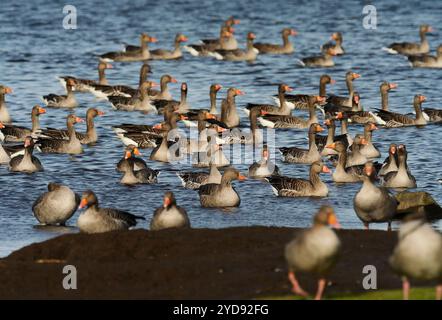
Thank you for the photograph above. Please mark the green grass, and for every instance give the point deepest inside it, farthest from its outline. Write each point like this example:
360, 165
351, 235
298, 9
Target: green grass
416, 294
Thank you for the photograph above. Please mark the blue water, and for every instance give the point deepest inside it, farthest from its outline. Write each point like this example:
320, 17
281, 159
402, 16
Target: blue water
35, 49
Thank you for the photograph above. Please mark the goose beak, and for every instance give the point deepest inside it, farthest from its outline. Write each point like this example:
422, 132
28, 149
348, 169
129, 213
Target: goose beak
242, 178
173, 80
127, 155
239, 92
137, 152
100, 113
83, 203
333, 221
41, 110
166, 202
77, 120
331, 146
325, 169
8, 90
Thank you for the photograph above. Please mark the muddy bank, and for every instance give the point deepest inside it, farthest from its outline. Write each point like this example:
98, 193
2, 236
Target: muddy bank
233, 263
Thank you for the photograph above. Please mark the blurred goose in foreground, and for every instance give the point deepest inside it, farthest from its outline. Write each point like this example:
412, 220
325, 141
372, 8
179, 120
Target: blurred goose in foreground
136, 55
5, 118
374, 204
27, 162
402, 178
410, 48
390, 164
96, 220
314, 250
418, 255
82, 85
324, 60
296, 187
55, 206
285, 48
62, 101
13, 133
130, 156
427, 61
193, 180
335, 44
169, 215
394, 120
264, 167
223, 194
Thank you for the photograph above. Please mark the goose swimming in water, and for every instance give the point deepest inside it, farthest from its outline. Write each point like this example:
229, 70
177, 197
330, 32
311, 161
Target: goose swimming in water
62, 101
13, 133
285, 48
136, 55
5, 118
410, 48
402, 178
27, 162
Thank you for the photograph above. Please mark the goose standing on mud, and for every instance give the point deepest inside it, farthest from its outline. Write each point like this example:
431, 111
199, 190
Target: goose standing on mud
56, 206
402, 178
296, 187
335, 44
418, 255
285, 48
96, 220
27, 162
263, 168
221, 195
229, 114
410, 48
324, 60
374, 204
427, 61
136, 55
62, 101
394, 120
82, 85
13, 133
314, 250
169, 215
5, 118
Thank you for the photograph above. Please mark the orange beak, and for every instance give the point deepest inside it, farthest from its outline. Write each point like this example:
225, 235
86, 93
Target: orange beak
393, 150
293, 32
356, 75
364, 141
77, 120
210, 116
2, 125
319, 128
325, 169
356, 98
332, 81
173, 80
109, 66
252, 36
184, 39
339, 115
153, 39
263, 112
331, 146
100, 113
158, 126
422, 98
41, 110
127, 155
327, 122
8, 90
137, 152
166, 202
333, 221
218, 87
242, 178
320, 99
83, 203
239, 92
392, 85
221, 129
373, 127
288, 89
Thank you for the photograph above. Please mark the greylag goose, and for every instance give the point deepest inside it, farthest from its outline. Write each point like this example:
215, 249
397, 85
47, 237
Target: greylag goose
162, 54
345, 101
307, 156
324, 60
71, 146
169, 215
285, 48
402, 178
96, 220
287, 121
5, 118
410, 48
355, 157
369, 150
226, 41
223, 194
164, 93
434, 115
314, 250
56, 206
296, 187
9, 151
335, 44
26, 163
230, 42
394, 120
301, 101
82, 85
62, 101
418, 255
131, 177
342, 173
130, 156
372, 203
427, 61
163, 152
282, 109
390, 164
89, 137
12, 133
213, 155
229, 114
139, 102
263, 168
181, 106
193, 180
135, 55
249, 54
323, 141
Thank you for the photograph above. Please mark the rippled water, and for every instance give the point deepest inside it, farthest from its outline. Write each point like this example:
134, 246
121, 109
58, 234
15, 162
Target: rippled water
35, 49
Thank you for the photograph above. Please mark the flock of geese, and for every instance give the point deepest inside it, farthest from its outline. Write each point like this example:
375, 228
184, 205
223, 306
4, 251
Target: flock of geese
419, 251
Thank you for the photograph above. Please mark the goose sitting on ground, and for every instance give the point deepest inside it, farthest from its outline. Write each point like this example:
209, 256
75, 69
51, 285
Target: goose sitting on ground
96, 220
410, 48
139, 102
56, 206
345, 101
135, 55
314, 250
71, 146
249, 54
335, 44
374, 204
229, 114
62, 101
131, 177
263, 168
89, 137
221, 195
26, 163
13, 133
391, 162
369, 150
130, 156
82, 85
418, 255
307, 156
402, 178
427, 61
282, 109
5, 118
324, 60
193, 180
285, 48
169, 215
296, 187
394, 120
